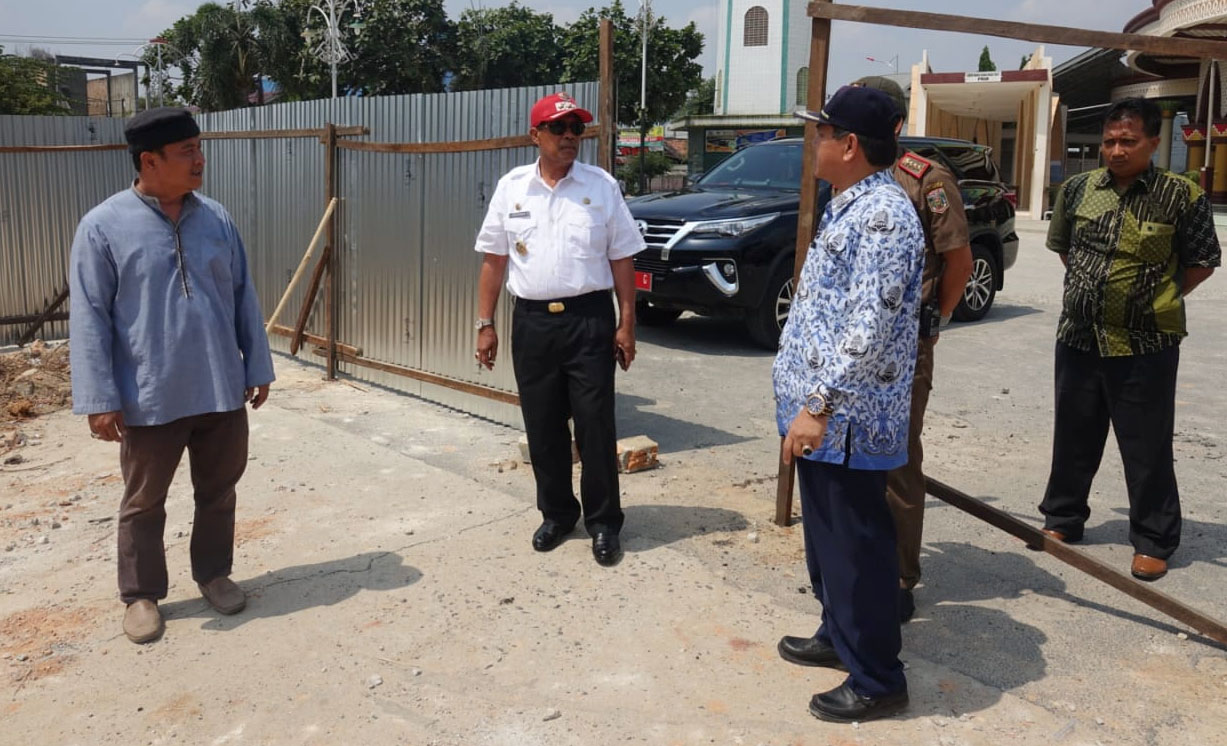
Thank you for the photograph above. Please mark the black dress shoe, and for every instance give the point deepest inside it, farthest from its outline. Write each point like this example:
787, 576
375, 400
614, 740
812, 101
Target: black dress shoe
842, 705
607, 549
550, 535
808, 651
907, 605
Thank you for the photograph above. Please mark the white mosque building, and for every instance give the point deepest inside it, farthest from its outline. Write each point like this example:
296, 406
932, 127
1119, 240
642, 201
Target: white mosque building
762, 53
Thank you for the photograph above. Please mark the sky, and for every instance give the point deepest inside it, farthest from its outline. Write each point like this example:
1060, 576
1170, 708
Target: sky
129, 21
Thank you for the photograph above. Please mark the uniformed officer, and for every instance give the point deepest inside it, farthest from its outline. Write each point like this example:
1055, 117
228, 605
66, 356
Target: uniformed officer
934, 192
562, 234
842, 383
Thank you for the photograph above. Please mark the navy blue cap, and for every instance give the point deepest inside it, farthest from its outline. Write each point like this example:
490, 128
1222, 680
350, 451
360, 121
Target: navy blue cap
863, 111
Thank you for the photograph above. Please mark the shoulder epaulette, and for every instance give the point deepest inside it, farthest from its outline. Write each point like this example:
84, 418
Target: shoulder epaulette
914, 166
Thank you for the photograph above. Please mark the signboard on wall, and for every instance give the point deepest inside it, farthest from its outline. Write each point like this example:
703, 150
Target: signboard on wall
993, 77
727, 141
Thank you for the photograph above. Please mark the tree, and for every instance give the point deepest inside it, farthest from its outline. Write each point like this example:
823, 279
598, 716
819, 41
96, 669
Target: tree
406, 47
27, 86
986, 61
224, 52
506, 47
672, 70
700, 101
654, 164
1026, 58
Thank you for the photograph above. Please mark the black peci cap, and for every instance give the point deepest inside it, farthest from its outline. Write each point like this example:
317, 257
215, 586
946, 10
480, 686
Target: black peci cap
862, 111
153, 128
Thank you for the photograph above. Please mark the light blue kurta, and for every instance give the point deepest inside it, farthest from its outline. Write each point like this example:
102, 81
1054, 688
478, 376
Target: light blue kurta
164, 320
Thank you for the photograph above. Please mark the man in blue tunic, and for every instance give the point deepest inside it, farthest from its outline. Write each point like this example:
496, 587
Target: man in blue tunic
843, 380
167, 346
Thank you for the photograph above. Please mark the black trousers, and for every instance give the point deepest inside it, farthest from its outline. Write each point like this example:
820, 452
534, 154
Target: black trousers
1137, 395
564, 368
854, 569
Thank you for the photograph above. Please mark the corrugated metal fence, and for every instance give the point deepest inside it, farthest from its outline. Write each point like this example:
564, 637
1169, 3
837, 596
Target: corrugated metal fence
406, 222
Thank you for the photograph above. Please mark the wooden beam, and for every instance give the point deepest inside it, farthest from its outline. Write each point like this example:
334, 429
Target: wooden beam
58, 148
1033, 32
607, 106
30, 318
465, 146
333, 286
55, 303
308, 302
432, 378
1077, 558
282, 134
285, 331
815, 96
243, 135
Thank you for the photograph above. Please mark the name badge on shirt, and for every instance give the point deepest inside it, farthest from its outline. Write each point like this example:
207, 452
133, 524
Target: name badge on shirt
522, 214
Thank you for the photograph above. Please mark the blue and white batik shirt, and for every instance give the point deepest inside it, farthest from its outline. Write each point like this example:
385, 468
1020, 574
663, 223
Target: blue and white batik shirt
852, 329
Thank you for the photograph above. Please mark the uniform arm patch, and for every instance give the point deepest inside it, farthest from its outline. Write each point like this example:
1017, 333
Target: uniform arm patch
939, 203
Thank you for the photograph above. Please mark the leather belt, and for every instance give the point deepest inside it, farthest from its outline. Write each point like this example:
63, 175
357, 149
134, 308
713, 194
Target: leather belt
586, 303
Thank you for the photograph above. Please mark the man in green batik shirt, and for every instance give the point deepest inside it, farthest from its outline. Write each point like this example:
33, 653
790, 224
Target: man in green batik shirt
1135, 241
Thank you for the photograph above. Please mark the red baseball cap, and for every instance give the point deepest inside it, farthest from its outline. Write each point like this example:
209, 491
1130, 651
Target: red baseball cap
555, 107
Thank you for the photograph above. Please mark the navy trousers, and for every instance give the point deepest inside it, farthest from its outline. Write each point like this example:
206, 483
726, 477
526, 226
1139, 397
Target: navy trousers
854, 570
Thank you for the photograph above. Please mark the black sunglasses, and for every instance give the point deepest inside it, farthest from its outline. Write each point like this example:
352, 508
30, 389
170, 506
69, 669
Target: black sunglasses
557, 128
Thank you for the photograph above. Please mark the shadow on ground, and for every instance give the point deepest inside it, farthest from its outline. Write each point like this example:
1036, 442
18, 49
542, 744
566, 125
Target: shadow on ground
704, 335
671, 434
294, 589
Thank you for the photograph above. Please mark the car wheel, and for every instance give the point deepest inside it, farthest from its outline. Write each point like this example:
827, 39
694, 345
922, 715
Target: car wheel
767, 321
981, 286
648, 315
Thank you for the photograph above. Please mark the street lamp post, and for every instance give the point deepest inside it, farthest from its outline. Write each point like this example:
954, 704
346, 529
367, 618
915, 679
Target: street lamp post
645, 18
331, 48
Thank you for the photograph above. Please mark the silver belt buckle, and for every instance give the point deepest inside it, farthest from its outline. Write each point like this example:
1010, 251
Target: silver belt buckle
556, 307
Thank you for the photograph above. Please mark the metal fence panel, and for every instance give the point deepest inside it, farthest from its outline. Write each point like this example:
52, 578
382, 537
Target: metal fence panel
42, 198
405, 223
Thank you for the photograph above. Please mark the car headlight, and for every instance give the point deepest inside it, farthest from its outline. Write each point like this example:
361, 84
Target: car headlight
736, 227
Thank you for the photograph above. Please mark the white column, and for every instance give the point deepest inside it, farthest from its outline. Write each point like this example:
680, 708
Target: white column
1165, 139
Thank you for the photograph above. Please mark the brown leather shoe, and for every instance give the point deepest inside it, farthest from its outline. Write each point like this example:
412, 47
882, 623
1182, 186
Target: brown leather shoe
223, 595
1146, 567
1053, 533
143, 621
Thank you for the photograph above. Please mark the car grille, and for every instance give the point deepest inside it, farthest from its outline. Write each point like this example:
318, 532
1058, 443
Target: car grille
649, 260
660, 231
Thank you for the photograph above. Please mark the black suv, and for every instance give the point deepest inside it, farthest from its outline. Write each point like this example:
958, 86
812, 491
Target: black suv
725, 245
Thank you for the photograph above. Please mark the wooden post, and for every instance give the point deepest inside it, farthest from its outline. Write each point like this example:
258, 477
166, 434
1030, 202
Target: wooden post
815, 96
331, 286
607, 115
302, 265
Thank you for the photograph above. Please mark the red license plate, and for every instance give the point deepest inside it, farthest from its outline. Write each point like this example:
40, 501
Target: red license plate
643, 281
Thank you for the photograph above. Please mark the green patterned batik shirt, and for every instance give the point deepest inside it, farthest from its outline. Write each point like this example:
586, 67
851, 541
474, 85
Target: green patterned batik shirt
1126, 258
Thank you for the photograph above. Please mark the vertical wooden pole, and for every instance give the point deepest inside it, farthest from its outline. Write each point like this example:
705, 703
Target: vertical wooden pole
819, 54
332, 286
607, 114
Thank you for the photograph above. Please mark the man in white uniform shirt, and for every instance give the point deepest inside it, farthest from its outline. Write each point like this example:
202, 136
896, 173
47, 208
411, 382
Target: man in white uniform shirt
562, 235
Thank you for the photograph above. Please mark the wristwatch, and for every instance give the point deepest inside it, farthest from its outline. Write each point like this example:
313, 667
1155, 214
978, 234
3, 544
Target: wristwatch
483, 323
818, 405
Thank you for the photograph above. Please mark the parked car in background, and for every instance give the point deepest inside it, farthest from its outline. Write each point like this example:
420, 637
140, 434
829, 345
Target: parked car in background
725, 246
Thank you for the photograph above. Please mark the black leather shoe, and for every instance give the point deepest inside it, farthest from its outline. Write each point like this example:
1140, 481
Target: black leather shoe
550, 535
607, 549
842, 705
808, 651
907, 605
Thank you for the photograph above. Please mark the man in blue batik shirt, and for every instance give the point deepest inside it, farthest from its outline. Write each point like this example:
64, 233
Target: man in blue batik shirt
167, 346
843, 380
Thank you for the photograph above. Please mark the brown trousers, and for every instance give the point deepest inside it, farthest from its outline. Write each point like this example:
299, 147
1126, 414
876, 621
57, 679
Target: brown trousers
905, 486
148, 456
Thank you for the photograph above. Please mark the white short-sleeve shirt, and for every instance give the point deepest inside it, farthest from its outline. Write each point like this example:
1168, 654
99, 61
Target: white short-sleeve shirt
560, 241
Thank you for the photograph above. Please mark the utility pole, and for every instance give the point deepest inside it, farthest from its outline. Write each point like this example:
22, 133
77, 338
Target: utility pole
645, 18
331, 48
